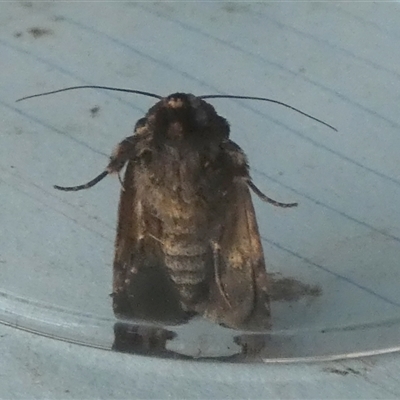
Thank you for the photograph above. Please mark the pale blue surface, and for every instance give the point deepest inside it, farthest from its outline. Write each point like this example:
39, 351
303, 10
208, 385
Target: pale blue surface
337, 61
34, 367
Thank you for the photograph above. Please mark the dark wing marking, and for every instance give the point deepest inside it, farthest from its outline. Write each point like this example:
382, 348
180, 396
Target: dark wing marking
142, 287
238, 297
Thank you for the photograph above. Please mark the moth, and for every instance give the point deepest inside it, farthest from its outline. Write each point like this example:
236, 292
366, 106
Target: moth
187, 239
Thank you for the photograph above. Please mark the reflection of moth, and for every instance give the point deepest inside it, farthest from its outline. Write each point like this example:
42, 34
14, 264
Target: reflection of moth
145, 340
153, 341
187, 238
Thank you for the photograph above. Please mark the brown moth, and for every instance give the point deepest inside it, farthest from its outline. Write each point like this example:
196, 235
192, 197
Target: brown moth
187, 238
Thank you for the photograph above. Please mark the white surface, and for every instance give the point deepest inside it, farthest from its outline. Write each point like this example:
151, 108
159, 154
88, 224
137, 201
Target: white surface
337, 61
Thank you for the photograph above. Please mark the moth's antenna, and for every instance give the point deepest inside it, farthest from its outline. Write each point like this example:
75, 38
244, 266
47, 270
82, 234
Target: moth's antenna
149, 94
84, 186
229, 96
93, 87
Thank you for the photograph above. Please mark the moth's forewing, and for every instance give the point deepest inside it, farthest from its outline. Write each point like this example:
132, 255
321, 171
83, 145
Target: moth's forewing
242, 270
142, 288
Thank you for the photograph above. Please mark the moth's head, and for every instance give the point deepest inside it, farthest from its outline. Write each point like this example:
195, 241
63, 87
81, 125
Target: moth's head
185, 117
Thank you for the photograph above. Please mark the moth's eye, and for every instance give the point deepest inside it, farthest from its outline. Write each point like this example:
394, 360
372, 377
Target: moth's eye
140, 124
201, 117
223, 127
146, 156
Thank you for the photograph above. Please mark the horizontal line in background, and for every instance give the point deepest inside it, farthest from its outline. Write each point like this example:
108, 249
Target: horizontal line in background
50, 127
326, 43
66, 72
317, 202
329, 271
363, 21
272, 63
205, 84
245, 106
45, 201
330, 208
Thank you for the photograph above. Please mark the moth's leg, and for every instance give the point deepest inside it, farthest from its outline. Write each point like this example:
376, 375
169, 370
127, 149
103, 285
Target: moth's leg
241, 167
125, 150
216, 249
267, 199
86, 185
120, 181
121, 154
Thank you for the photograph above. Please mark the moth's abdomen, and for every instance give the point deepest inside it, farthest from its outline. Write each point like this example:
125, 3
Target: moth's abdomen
186, 260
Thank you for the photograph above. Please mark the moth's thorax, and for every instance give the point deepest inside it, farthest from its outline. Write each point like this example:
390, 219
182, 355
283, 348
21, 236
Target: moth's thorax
182, 186
175, 189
